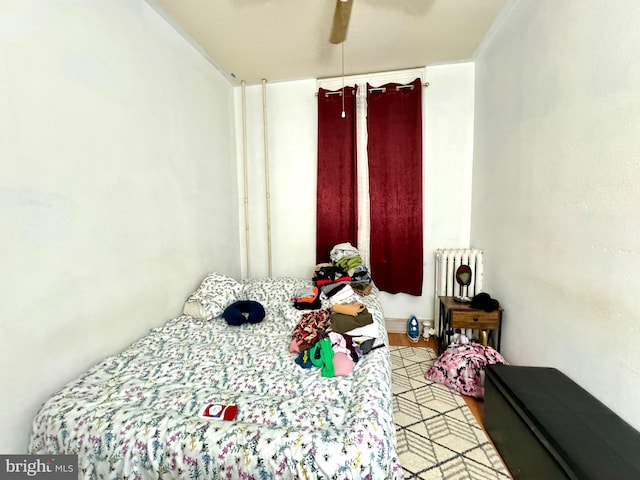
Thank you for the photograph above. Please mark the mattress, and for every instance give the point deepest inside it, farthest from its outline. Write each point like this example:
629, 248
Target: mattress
136, 414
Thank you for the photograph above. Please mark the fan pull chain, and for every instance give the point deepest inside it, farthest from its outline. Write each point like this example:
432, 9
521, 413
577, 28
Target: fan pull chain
343, 115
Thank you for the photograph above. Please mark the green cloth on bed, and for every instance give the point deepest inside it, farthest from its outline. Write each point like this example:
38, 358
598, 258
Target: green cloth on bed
322, 356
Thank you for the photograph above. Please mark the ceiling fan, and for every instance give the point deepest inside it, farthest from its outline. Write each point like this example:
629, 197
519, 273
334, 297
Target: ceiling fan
340, 21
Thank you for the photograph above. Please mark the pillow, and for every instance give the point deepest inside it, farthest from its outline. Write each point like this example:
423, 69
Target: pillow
194, 309
215, 293
461, 368
273, 291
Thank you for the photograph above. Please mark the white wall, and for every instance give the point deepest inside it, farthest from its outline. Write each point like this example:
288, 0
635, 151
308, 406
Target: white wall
292, 140
556, 193
292, 143
116, 155
447, 169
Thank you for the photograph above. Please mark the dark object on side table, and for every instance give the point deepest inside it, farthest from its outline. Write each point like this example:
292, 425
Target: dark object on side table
483, 301
546, 426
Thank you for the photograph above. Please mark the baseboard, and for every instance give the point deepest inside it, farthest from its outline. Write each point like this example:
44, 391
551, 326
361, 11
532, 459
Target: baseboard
399, 325
396, 325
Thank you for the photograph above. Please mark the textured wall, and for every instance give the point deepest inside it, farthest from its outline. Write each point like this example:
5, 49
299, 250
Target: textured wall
117, 188
556, 193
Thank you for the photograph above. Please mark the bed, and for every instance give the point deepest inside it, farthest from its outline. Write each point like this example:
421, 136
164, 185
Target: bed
136, 414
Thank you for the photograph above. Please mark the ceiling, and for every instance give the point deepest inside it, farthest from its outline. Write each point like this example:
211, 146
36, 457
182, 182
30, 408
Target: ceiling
280, 40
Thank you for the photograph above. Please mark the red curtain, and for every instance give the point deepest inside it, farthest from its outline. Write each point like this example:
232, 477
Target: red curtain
394, 126
337, 219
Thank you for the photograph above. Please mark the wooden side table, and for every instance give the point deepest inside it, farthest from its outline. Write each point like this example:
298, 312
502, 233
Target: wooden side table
460, 315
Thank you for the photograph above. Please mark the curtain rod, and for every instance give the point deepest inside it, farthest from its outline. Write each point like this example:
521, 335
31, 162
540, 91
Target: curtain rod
376, 89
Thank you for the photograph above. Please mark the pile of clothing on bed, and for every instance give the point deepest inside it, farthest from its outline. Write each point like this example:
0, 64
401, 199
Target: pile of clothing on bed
337, 329
345, 266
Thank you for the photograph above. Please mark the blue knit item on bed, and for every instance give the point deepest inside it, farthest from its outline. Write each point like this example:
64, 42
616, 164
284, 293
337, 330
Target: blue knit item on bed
244, 311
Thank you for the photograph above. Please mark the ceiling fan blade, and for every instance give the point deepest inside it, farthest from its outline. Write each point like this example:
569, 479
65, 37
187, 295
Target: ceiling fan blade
340, 21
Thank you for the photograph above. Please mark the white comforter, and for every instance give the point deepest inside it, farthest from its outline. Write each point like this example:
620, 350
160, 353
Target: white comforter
135, 415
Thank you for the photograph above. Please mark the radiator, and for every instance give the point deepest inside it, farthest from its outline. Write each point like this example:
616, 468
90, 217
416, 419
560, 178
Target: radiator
448, 260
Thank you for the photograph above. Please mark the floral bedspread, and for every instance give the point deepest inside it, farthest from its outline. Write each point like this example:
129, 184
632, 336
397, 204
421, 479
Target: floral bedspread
135, 415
